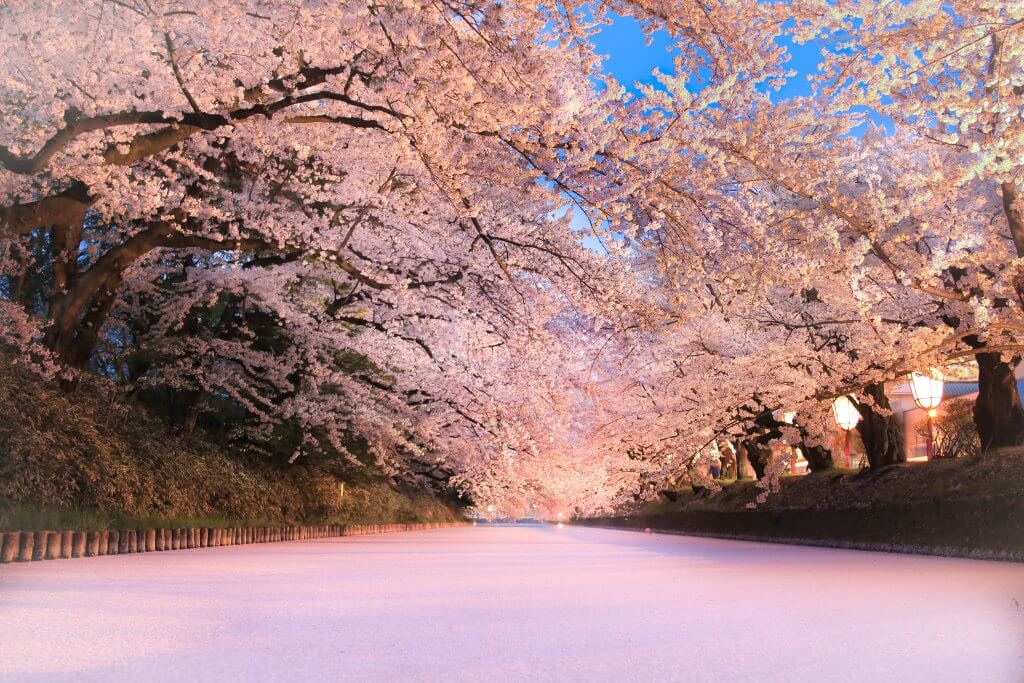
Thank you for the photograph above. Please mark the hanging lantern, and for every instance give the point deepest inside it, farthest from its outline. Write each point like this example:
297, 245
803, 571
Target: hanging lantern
845, 411
927, 389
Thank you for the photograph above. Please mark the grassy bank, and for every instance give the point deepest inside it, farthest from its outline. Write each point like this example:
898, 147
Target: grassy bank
969, 508
95, 460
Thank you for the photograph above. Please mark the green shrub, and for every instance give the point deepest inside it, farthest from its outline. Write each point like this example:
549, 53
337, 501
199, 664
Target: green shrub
954, 431
96, 456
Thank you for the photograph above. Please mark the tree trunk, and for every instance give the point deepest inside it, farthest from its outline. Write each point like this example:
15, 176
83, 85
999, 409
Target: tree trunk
82, 303
741, 461
880, 434
80, 350
65, 245
79, 308
759, 456
191, 405
818, 458
998, 414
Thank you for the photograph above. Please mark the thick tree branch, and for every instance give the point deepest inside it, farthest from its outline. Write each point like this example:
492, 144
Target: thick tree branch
76, 126
65, 208
1013, 207
183, 125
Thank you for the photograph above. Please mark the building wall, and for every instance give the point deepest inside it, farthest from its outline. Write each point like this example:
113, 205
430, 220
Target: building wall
911, 419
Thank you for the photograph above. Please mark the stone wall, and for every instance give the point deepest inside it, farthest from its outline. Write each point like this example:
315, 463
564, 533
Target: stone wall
986, 528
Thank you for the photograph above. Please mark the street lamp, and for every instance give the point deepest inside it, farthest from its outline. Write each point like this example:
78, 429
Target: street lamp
847, 416
927, 390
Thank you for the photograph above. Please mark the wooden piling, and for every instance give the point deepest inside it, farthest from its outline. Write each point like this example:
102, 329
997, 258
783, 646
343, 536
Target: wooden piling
26, 546
78, 544
10, 548
39, 546
104, 542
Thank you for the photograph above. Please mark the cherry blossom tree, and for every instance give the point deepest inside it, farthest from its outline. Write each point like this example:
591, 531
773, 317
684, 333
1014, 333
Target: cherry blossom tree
360, 225
835, 252
350, 218
951, 74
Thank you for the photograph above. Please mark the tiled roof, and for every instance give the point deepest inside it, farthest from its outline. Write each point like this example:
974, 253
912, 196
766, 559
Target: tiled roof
957, 389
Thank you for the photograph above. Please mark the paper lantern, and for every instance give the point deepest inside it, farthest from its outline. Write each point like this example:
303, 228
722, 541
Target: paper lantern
927, 389
845, 411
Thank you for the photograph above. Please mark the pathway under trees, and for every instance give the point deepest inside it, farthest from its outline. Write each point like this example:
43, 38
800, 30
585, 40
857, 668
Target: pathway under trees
513, 603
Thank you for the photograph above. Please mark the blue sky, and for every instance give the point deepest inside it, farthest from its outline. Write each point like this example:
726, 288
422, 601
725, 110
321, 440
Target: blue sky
630, 60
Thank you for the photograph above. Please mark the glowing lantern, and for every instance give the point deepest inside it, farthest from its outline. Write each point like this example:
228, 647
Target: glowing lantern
845, 410
927, 390
847, 416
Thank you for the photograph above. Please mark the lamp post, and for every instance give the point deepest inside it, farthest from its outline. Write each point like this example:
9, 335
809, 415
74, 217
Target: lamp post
927, 390
844, 409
